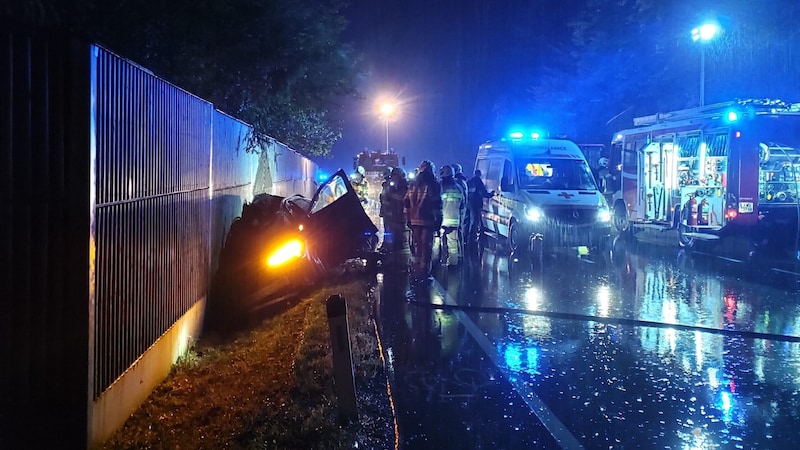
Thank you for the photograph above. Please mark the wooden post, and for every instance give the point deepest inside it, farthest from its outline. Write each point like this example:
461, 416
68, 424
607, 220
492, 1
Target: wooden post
344, 380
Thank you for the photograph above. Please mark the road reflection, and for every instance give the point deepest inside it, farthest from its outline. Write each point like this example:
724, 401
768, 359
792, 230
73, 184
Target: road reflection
643, 349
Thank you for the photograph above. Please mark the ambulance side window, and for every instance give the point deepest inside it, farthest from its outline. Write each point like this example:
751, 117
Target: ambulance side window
507, 181
483, 166
492, 176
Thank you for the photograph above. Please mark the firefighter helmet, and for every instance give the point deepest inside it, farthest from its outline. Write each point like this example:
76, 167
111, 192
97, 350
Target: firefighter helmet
446, 172
427, 166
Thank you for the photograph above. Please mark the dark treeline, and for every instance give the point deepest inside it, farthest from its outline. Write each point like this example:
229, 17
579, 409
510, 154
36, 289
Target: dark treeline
470, 68
279, 65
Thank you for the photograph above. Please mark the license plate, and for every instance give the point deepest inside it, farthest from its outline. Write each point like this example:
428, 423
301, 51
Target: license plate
745, 207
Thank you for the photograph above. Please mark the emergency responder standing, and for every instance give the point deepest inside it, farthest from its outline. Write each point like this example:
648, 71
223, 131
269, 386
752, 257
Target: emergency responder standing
453, 208
383, 201
458, 174
423, 207
394, 218
606, 178
359, 181
476, 192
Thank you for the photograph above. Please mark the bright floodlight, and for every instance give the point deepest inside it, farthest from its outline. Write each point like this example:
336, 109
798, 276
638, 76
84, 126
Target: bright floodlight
387, 109
705, 32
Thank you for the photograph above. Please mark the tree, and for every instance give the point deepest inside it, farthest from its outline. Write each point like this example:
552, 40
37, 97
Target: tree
279, 65
636, 57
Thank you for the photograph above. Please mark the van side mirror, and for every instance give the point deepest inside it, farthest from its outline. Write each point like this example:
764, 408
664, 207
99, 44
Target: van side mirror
505, 184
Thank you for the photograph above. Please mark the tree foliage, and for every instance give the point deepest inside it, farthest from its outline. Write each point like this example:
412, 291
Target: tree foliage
636, 57
279, 65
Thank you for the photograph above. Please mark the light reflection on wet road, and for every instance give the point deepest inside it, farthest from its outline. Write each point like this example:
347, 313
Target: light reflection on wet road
645, 351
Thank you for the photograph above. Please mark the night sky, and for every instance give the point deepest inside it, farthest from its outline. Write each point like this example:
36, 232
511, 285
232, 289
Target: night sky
457, 67
446, 63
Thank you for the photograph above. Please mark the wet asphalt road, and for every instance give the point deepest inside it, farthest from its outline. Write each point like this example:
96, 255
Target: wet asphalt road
643, 350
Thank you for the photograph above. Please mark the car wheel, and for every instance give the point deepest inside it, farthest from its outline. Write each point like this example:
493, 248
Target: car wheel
513, 238
620, 220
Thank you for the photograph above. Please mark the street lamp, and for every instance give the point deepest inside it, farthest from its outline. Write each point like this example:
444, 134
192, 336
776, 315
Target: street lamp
704, 33
387, 110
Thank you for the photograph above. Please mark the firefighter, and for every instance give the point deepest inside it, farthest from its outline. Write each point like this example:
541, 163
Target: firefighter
453, 209
476, 192
359, 181
423, 207
394, 218
606, 178
458, 174
383, 200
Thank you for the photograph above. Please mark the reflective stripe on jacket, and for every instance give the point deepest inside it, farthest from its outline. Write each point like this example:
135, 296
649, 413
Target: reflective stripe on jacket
453, 202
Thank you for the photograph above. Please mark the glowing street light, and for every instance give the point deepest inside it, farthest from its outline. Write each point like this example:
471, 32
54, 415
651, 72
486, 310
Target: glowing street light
704, 33
387, 110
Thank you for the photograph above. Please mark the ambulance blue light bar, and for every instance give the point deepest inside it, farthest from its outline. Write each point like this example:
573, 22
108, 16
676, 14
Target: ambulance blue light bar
519, 135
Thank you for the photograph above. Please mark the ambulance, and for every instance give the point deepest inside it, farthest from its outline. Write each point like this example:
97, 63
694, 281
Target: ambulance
727, 170
546, 198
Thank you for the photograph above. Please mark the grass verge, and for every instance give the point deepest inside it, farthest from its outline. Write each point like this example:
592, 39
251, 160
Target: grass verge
271, 387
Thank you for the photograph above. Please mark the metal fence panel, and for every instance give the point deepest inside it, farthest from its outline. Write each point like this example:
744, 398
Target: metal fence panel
117, 189
152, 157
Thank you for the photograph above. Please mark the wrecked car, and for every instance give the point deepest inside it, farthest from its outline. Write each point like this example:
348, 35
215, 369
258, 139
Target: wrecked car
281, 247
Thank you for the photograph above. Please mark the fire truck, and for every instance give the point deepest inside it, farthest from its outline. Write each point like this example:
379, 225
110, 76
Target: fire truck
374, 164
712, 172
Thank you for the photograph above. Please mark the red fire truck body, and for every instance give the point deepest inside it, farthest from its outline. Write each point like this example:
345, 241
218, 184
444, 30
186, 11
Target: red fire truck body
708, 172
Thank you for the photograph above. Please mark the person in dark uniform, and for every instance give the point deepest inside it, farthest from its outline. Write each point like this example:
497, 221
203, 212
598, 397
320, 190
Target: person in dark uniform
394, 218
476, 192
423, 208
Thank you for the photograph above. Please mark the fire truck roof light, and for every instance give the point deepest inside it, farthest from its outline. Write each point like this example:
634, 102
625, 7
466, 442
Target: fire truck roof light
733, 116
515, 135
535, 136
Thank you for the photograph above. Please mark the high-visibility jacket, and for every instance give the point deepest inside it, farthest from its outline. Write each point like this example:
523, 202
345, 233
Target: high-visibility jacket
454, 202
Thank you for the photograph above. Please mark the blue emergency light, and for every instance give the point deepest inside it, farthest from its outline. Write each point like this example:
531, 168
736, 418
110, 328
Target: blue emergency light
519, 135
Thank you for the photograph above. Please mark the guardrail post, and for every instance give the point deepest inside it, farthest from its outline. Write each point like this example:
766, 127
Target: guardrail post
344, 380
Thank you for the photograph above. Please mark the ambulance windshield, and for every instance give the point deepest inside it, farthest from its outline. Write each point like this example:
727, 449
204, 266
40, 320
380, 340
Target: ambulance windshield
548, 173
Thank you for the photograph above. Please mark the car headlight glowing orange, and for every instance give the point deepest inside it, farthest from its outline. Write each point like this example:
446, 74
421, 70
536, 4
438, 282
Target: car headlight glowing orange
285, 253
